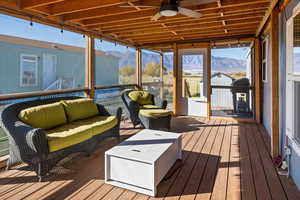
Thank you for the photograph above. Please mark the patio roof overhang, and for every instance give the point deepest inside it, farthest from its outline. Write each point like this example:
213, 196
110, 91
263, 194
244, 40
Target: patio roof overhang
132, 26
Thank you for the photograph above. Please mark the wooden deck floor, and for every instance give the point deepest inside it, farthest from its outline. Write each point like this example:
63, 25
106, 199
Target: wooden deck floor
221, 160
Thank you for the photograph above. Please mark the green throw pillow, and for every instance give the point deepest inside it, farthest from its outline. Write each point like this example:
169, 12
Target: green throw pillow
80, 109
142, 97
44, 116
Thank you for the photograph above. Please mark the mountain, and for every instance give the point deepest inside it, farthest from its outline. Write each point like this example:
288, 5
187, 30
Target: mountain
191, 63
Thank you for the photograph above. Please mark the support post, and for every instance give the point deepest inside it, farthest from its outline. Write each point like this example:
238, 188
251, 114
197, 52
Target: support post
209, 82
175, 79
161, 75
139, 68
275, 81
89, 67
257, 78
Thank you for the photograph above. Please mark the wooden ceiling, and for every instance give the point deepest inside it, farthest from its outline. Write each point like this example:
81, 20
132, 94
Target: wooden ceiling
133, 25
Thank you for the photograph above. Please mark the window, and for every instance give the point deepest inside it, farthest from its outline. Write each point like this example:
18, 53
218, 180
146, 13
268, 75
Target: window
150, 67
39, 58
114, 64
297, 109
29, 70
296, 45
293, 77
192, 77
168, 78
264, 61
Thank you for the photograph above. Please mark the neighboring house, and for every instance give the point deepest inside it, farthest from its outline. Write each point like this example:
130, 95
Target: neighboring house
47, 66
221, 97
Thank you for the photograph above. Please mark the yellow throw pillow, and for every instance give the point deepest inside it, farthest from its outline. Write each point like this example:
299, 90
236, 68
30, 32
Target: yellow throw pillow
44, 116
141, 97
80, 109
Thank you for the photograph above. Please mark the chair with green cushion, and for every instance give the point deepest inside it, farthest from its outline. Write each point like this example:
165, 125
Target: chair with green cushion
143, 108
42, 132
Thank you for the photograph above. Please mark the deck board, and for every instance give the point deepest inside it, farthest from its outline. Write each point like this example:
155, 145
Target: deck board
234, 172
247, 182
221, 160
220, 187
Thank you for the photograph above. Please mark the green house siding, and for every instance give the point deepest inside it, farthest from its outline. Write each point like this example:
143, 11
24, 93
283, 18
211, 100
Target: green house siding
10, 69
70, 65
106, 70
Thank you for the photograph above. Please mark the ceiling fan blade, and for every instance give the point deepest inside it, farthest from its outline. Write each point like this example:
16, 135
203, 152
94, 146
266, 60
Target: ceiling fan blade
189, 13
156, 17
187, 3
139, 6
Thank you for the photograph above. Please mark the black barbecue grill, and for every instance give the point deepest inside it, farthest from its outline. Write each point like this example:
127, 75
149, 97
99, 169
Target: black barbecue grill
240, 89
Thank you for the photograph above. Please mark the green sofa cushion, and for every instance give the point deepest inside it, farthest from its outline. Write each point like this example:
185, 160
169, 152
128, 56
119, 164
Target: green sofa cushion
44, 116
78, 131
141, 97
99, 124
67, 135
80, 109
155, 112
149, 107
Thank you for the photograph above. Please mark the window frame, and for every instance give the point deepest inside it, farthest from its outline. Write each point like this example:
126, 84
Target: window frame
264, 56
22, 67
291, 80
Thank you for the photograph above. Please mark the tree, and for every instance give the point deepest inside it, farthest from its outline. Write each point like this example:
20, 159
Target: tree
127, 71
152, 69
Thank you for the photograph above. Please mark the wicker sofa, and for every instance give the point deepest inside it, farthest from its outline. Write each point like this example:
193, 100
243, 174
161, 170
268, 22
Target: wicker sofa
43, 147
141, 107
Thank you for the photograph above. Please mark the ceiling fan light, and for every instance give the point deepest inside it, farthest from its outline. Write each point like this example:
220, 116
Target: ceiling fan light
168, 10
168, 13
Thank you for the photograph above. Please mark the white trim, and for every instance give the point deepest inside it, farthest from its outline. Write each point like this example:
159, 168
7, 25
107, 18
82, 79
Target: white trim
21, 69
264, 61
267, 61
294, 144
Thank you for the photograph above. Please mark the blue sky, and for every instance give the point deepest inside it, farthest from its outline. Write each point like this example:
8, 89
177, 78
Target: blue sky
237, 53
21, 28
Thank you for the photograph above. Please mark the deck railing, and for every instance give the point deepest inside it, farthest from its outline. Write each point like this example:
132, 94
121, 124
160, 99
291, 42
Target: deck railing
109, 96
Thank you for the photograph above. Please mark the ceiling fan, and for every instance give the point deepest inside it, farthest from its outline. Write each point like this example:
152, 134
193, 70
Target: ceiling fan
170, 8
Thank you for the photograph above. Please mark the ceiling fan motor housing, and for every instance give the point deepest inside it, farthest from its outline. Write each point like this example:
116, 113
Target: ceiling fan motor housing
169, 9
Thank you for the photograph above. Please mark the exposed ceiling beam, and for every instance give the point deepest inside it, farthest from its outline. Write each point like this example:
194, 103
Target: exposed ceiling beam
183, 22
203, 38
25, 4
122, 18
135, 24
215, 29
80, 5
250, 30
99, 12
266, 17
192, 28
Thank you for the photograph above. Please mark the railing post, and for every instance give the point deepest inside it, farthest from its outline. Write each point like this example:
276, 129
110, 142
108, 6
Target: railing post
89, 67
209, 89
175, 79
138, 67
161, 75
257, 71
275, 81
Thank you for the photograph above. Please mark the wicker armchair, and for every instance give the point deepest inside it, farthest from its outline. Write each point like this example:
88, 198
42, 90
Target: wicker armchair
29, 145
133, 112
